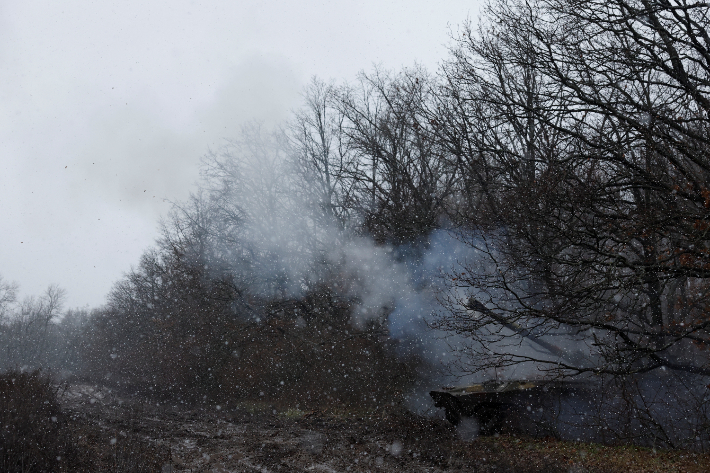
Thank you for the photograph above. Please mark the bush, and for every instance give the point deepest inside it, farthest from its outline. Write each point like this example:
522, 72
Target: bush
34, 436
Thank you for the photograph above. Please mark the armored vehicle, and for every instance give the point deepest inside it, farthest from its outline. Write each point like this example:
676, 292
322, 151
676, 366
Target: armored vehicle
493, 404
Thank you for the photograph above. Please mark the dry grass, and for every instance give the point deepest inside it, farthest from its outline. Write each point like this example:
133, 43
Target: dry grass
599, 458
111, 450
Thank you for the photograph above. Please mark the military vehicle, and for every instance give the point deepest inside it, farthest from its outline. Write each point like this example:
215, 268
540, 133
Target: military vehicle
495, 404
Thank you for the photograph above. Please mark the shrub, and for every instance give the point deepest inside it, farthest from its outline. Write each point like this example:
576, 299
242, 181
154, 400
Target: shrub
34, 436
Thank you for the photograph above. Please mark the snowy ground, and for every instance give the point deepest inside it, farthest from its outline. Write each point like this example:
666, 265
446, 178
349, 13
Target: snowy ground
261, 438
255, 439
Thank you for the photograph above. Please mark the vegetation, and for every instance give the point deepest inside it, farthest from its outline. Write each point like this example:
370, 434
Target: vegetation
37, 435
566, 143
34, 434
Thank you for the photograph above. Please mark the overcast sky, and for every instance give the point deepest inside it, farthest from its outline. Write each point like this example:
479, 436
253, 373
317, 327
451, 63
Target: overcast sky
107, 107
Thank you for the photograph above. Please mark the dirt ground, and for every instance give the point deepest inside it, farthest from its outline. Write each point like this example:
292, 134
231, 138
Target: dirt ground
257, 437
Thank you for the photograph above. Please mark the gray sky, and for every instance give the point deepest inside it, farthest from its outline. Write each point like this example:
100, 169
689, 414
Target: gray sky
106, 108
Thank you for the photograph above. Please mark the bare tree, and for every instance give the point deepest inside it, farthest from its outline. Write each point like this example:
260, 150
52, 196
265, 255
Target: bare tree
403, 179
250, 187
321, 158
28, 331
586, 127
8, 296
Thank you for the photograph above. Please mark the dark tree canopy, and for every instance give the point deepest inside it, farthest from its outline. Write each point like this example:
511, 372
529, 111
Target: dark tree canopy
585, 125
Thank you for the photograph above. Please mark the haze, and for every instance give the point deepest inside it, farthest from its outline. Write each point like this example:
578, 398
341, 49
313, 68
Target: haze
106, 109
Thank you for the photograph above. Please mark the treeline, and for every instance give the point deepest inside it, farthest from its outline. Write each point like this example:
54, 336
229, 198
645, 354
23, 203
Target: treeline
37, 332
567, 142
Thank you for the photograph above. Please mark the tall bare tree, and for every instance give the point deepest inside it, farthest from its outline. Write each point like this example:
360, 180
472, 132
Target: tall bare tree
321, 158
28, 334
586, 124
403, 179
